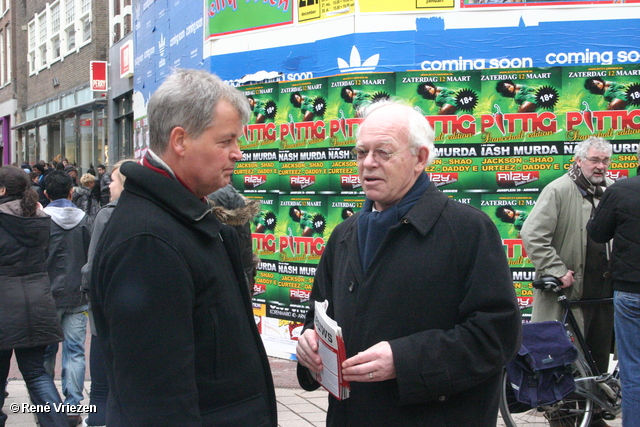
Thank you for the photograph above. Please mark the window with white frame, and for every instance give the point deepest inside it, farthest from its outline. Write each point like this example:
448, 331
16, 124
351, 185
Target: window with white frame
86, 28
32, 46
55, 31
42, 23
70, 25
85, 21
7, 39
42, 39
70, 7
3, 61
71, 38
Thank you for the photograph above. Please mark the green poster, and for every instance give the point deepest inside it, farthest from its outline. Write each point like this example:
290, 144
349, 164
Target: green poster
233, 16
508, 212
447, 98
522, 278
263, 226
304, 171
520, 105
516, 168
347, 94
261, 132
456, 173
266, 287
341, 208
301, 229
601, 101
258, 172
301, 119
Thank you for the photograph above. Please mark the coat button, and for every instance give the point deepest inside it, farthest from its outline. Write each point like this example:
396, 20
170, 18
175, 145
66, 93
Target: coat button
442, 398
405, 221
351, 285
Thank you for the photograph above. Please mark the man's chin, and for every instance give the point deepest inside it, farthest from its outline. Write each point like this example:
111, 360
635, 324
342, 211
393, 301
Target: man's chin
595, 180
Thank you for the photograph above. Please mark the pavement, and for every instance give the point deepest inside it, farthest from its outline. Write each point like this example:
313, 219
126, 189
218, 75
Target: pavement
296, 407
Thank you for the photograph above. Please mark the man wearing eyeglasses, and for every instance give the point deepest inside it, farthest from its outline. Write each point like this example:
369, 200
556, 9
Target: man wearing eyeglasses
421, 287
555, 238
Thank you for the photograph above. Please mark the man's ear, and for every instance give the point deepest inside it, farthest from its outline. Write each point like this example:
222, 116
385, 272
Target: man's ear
423, 156
70, 196
177, 141
47, 195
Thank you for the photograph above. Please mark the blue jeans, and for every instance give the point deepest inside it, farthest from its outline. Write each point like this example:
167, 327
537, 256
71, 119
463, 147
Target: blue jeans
41, 388
627, 324
74, 326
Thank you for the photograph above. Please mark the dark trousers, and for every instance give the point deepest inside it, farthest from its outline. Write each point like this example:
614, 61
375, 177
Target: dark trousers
99, 385
42, 390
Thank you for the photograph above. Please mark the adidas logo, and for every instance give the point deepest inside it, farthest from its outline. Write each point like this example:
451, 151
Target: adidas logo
355, 63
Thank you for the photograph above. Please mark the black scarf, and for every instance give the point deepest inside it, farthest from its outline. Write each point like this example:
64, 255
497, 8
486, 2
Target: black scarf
373, 226
593, 190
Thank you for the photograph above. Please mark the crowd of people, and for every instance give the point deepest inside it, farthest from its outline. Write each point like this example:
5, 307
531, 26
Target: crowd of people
156, 257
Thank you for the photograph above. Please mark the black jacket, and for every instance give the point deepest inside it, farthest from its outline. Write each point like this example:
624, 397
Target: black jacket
84, 199
68, 246
618, 217
173, 314
439, 290
27, 310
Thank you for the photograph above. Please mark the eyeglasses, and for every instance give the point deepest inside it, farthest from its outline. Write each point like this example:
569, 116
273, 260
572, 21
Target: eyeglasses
380, 155
595, 161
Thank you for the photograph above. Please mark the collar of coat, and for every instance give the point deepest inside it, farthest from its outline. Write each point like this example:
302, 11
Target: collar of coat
422, 216
171, 196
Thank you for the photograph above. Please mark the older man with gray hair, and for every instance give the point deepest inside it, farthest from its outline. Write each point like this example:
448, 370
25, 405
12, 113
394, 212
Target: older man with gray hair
170, 300
421, 287
555, 238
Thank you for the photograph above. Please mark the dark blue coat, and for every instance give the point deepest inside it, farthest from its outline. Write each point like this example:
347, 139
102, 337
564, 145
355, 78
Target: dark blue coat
439, 290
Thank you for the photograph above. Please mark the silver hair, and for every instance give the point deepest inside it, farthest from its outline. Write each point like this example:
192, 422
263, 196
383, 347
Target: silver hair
187, 98
583, 147
420, 132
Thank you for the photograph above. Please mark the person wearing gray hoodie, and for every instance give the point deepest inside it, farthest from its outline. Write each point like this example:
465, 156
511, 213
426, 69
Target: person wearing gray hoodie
70, 235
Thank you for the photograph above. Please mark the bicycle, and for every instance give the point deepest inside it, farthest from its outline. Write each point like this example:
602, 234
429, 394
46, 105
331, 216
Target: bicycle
594, 392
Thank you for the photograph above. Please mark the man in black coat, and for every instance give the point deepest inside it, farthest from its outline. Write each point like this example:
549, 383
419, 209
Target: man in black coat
421, 287
169, 294
618, 217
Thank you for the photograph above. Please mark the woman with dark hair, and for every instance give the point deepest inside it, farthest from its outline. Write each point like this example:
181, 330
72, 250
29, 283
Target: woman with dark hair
444, 98
523, 95
27, 309
613, 92
305, 219
508, 214
304, 103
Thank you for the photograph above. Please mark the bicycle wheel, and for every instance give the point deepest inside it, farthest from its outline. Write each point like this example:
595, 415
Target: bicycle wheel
575, 410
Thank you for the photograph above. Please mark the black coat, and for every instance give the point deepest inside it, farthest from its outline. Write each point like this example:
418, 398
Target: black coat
439, 290
618, 217
27, 311
173, 314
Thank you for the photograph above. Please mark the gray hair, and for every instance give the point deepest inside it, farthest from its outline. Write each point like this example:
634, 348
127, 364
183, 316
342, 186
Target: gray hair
583, 147
420, 132
187, 99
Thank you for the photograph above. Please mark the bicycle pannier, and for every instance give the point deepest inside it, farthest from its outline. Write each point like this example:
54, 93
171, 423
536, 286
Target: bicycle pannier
541, 373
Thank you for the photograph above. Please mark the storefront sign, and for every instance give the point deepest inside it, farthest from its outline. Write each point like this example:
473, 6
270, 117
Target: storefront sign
98, 76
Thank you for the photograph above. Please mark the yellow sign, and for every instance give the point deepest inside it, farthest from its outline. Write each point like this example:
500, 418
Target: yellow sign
403, 5
310, 10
